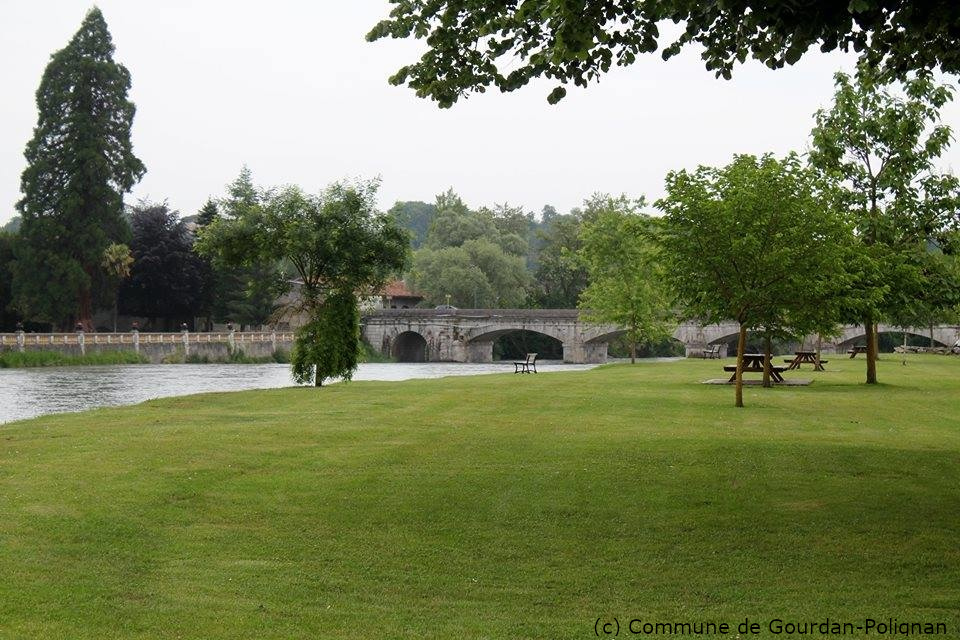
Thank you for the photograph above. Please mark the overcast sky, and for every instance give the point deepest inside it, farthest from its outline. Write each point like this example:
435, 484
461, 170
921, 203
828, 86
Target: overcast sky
293, 90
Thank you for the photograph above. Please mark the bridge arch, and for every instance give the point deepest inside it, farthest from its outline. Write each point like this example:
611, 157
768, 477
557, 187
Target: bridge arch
858, 335
515, 344
409, 346
508, 342
491, 335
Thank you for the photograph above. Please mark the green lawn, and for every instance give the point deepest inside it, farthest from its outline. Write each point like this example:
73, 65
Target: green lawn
489, 507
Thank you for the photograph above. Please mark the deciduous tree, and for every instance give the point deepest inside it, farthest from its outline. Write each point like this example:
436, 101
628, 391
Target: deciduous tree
749, 241
560, 276
340, 247
880, 147
415, 217
245, 293
476, 274
626, 280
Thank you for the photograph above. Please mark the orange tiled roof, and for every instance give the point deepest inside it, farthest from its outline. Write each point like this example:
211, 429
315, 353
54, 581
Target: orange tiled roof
398, 289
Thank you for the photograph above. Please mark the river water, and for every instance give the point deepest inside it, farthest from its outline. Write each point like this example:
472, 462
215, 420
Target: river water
27, 393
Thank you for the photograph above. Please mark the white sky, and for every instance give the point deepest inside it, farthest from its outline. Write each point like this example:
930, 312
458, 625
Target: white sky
292, 89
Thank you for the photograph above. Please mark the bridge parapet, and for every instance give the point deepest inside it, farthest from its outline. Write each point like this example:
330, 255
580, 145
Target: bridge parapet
472, 314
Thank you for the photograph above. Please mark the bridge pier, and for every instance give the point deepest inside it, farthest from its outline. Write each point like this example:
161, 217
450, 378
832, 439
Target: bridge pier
477, 351
585, 352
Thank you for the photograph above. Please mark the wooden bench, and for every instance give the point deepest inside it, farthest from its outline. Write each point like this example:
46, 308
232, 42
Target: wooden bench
860, 348
712, 352
526, 366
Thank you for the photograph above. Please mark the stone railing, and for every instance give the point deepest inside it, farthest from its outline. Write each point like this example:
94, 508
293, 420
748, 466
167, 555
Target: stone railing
22, 341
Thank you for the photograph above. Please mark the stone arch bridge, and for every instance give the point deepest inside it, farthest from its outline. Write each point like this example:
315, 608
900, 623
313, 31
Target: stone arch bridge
467, 335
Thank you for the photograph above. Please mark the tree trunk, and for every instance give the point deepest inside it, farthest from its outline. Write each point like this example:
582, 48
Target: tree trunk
741, 345
871, 349
85, 309
816, 357
932, 344
633, 352
766, 361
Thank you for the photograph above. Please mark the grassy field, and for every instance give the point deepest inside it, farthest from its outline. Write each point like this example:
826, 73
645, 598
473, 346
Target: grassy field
490, 507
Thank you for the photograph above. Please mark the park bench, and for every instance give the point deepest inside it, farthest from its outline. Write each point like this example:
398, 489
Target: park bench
713, 351
526, 366
860, 348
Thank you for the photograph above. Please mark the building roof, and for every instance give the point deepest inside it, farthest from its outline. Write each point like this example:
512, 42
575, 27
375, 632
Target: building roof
398, 289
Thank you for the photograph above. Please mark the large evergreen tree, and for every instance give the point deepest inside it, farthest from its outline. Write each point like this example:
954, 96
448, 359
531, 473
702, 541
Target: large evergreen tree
79, 165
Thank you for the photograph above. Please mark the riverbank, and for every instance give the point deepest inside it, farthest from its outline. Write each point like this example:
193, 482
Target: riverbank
496, 506
17, 359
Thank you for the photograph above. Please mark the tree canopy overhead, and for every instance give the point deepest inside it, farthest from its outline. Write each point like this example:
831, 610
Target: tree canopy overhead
474, 45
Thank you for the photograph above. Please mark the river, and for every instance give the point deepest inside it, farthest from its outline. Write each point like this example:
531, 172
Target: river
27, 393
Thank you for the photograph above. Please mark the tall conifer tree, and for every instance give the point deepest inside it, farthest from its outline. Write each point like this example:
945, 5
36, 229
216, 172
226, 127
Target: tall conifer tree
79, 164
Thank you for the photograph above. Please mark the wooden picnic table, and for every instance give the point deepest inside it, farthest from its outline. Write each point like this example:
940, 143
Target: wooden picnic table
804, 356
753, 363
860, 348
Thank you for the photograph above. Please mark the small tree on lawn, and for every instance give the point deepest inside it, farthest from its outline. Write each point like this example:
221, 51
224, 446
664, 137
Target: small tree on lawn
625, 276
880, 147
748, 241
338, 244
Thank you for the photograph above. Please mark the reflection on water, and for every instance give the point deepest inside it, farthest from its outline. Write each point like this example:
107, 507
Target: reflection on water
26, 393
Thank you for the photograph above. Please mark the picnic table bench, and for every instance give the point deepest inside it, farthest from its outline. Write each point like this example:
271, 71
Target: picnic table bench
859, 348
528, 365
753, 363
805, 356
